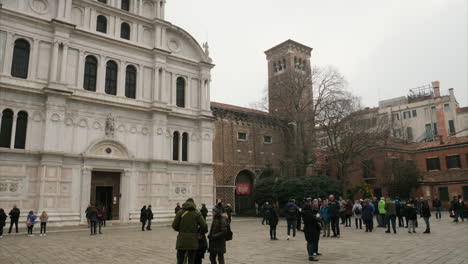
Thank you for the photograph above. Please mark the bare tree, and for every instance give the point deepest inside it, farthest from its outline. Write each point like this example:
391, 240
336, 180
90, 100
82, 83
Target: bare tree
347, 131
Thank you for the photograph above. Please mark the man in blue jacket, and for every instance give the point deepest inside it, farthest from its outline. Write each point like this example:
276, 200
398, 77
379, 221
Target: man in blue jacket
334, 213
291, 216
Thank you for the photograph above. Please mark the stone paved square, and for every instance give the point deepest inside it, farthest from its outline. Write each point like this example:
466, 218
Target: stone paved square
126, 244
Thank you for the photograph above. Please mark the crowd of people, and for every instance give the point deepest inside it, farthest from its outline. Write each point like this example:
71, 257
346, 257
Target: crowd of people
315, 217
31, 220
320, 216
192, 242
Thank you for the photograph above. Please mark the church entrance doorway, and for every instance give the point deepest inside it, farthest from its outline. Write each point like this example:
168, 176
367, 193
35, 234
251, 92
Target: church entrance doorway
245, 204
105, 191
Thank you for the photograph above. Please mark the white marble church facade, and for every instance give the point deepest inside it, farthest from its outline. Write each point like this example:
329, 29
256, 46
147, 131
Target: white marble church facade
101, 101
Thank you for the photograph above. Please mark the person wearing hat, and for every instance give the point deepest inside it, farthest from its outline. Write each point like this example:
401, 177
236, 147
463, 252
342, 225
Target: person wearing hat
189, 223
217, 236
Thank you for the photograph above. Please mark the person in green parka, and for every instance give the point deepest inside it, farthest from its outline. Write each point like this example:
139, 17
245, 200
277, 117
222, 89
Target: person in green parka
382, 211
189, 223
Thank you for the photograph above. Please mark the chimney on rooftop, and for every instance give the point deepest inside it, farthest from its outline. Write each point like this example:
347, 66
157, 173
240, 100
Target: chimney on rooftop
451, 92
436, 88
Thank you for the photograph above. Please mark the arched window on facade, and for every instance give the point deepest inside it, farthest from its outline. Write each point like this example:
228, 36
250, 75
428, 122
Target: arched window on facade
20, 62
101, 24
6, 128
90, 73
275, 67
111, 78
284, 63
130, 82
180, 92
175, 145
125, 31
185, 139
21, 128
103, 1
125, 5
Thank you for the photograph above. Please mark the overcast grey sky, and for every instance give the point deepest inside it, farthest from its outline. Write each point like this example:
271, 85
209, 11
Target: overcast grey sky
383, 48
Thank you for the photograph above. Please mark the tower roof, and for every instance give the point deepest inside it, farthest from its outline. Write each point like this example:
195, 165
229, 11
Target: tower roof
288, 42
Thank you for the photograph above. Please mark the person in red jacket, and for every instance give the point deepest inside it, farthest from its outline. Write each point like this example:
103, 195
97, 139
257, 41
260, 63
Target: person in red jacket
348, 212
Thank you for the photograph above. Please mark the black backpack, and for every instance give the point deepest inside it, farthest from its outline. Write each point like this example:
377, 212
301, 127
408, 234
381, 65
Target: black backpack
292, 210
229, 233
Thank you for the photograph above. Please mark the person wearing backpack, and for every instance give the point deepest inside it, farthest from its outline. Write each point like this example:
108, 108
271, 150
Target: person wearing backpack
30, 221
93, 219
357, 210
291, 217
190, 224
217, 236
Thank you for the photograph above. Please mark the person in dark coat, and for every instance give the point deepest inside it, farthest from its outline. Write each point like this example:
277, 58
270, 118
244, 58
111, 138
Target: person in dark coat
3, 218
149, 217
100, 214
272, 221
348, 206
437, 204
426, 215
87, 215
217, 236
143, 217
204, 211
14, 217
177, 208
334, 213
93, 219
189, 223
367, 216
291, 217
312, 229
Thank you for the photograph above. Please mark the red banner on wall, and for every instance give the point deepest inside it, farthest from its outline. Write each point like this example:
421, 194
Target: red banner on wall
243, 188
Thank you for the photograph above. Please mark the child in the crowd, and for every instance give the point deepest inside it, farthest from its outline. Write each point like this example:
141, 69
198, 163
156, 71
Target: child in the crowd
30, 221
44, 218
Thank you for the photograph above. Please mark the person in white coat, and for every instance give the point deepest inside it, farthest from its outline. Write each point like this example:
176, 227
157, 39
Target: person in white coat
357, 211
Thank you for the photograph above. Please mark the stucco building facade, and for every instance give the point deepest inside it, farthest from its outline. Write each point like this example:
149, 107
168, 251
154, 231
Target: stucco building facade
102, 102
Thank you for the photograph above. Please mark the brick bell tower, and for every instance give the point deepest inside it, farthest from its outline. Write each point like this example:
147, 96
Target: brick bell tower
287, 60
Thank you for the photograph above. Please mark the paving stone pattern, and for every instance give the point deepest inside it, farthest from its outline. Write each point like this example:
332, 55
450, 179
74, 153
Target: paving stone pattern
447, 244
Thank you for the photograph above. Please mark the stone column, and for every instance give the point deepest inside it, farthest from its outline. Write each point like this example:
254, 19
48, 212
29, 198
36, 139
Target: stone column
81, 59
162, 88
92, 20
121, 80
101, 76
8, 54
162, 9
127, 200
117, 27
60, 9
188, 97
53, 62
34, 59
68, 8
173, 89
85, 191
42, 171
155, 93
202, 94
156, 8
139, 88
207, 107
13, 132
140, 7
63, 70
